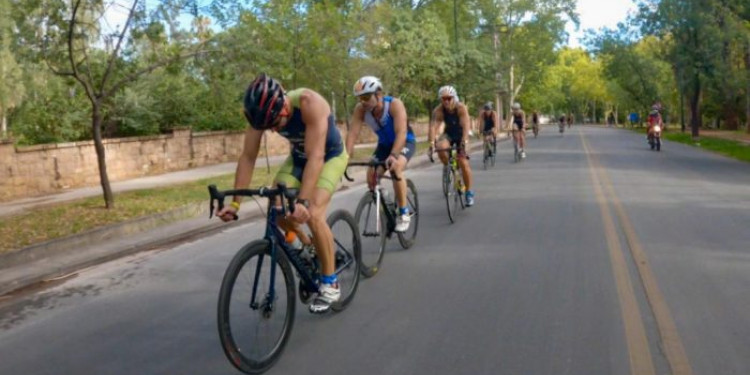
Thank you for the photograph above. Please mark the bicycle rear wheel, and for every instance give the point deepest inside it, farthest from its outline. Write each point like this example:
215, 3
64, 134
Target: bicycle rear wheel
253, 333
373, 236
347, 250
407, 238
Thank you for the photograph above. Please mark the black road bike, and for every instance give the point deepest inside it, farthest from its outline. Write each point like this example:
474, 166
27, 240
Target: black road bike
257, 299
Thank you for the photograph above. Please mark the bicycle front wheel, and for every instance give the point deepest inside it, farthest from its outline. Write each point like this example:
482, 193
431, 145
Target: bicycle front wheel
373, 234
347, 250
451, 198
255, 317
407, 238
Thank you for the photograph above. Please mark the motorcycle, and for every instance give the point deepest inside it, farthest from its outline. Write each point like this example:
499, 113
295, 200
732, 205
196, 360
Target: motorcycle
654, 138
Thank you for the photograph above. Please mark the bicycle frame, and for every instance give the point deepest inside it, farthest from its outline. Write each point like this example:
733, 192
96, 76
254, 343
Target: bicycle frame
388, 207
275, 237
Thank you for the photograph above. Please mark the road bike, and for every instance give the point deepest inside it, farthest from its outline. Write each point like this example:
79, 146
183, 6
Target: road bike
257, 298
376, 216
453, 185
490, 151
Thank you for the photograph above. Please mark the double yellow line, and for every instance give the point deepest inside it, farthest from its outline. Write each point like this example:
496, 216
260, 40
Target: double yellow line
641, 361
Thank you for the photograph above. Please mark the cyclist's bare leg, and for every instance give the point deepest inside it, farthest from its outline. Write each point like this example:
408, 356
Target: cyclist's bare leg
321, 232
463, 162
442, 145
400, 186
522, 139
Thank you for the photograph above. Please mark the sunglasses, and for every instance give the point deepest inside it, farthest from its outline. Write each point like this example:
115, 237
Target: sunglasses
447, 98
365, 97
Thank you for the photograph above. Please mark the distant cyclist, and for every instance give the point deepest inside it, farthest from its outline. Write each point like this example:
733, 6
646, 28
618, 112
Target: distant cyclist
455, 115
519, 127
386, 116
535, 122
489, 122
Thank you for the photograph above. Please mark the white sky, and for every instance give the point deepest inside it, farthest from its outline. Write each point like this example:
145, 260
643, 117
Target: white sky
595, 14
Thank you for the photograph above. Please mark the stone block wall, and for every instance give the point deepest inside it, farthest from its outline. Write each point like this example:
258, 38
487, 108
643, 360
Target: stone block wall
27, 171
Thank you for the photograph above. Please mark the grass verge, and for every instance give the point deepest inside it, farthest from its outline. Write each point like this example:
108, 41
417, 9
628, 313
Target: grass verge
50, 222
733, 149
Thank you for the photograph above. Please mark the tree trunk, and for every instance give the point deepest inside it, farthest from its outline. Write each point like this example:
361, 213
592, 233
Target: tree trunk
4, 133
109, 200
695, 112
747, 92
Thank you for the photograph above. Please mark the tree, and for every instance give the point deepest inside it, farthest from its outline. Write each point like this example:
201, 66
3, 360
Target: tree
12, 89
102, 73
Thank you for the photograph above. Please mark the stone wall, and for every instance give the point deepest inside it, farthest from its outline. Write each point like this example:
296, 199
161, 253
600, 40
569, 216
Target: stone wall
27, 171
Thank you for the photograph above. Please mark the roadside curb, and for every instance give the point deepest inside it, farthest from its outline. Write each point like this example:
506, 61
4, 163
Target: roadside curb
59, 258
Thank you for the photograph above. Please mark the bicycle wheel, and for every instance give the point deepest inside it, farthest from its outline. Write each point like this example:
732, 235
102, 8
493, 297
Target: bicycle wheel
451, 198
460, 193
373, 236
486, 158
253, 333
347, 252
494, 152
516, 155
447, 182
407, 238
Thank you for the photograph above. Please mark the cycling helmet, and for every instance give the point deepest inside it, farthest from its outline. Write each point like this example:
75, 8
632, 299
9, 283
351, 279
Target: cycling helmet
488, 106
367, 85
264, 100
516, 105
447, 91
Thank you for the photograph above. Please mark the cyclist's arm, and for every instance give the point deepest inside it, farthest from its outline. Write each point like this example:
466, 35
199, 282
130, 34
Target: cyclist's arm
465, 122
495, 122
315, 112
246, 163
398, 111
353, 133
437, 118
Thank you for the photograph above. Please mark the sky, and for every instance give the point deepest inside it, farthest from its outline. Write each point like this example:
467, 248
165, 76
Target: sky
595, 14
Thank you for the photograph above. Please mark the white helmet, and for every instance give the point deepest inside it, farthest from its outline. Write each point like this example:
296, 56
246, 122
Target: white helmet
367, 85
516, 105
447, 91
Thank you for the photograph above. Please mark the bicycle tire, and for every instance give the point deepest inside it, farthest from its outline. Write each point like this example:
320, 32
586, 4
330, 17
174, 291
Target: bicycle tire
347, 255
408, 238
447, 183
370, 261
460, 193
486, 158
240, 355
450, 198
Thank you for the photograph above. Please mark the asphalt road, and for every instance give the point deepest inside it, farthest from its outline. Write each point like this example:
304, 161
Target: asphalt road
592, 256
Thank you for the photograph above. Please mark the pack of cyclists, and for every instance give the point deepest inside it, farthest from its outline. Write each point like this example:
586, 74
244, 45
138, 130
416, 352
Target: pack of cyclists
319, 154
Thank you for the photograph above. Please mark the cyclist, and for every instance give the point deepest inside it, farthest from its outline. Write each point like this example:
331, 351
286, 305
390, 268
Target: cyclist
654, 118
519, 127
315, 165
491, 123
386, 116
455, 115
535, 122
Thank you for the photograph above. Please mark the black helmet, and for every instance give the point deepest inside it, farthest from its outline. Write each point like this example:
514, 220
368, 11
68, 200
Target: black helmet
264, 100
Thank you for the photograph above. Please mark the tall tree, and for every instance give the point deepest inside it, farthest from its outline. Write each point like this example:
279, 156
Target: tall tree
73, 42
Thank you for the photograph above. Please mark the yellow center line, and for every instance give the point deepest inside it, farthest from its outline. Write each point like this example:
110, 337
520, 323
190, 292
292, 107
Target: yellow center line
670, 337
635, 333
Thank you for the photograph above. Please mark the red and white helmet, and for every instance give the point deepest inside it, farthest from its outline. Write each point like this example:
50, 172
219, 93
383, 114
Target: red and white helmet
367, 85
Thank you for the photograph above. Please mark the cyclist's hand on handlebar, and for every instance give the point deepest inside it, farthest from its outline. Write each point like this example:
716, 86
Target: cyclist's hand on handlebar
301, 214
228, 213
